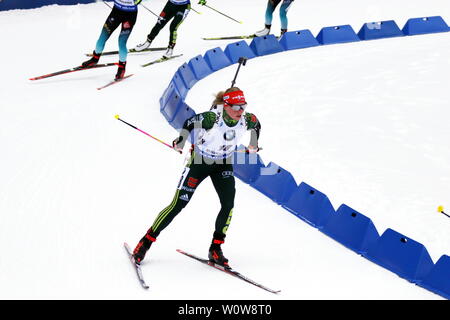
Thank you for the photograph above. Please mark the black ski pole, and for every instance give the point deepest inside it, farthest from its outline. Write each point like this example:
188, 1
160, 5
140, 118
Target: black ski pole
150, 11
241, 61
107, 4
203, 3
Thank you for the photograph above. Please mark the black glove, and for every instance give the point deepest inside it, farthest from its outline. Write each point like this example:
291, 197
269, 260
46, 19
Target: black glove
175, 145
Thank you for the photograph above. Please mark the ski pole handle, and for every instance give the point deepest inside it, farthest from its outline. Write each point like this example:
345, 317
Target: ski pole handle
241, 61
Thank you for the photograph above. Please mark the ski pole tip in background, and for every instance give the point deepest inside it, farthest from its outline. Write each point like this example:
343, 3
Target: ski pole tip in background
440, 209
116, 116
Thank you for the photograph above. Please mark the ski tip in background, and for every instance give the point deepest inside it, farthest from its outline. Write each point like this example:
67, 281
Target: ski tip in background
114, 82
117, 117
159, 60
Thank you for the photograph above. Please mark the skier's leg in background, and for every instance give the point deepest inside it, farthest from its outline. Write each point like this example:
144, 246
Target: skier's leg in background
271, 4
179, 17
111, 24
127, 27
283, 15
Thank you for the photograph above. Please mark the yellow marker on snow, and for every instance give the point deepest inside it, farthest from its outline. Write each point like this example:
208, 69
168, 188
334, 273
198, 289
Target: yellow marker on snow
116, 116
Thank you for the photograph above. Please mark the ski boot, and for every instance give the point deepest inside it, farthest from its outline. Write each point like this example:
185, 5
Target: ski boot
169, 51
92, 61
263, 32
144, 45
143, 246
215, 253
120, 70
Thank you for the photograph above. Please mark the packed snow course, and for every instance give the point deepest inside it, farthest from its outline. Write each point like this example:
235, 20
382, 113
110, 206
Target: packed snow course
363, 122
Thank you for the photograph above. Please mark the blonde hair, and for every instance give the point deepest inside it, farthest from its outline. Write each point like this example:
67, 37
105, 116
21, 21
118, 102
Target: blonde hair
218, 99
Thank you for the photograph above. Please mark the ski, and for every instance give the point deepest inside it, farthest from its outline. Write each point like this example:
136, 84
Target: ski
162, 59
109, 53
114, 82
79, 68
228, 270
251, 36
136, 266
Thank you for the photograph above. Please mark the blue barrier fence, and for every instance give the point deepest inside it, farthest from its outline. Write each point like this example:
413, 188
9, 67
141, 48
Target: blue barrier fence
392, 250
378, 30
352, 229
31, 4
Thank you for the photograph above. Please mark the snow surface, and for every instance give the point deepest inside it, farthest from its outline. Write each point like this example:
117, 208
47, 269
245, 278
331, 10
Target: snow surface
365, 123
